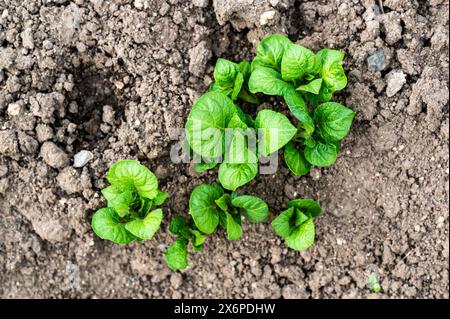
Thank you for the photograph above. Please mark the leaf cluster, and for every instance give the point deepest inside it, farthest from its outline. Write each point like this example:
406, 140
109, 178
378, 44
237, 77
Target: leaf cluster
131, 199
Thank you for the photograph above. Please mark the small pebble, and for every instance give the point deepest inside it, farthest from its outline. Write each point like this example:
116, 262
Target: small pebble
395, 81
376, 62
81, 158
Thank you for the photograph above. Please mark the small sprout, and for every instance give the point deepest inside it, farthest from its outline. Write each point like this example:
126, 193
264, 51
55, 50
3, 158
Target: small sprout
131, 197
374, 285
295, 225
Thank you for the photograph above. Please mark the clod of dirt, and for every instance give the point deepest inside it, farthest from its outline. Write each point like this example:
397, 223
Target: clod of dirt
395, 81
53, 155
199, 57
71, 181
433, 93
247, 14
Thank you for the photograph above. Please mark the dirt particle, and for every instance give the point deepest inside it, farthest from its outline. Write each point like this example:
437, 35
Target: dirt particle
199, 57
53, 155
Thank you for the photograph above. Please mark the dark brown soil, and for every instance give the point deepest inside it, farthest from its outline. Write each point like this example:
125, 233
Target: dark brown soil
115, 77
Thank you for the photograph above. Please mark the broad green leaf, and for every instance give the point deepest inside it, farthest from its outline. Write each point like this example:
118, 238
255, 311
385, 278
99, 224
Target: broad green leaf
160, 198
302, 237
274, 131
237, 86
282, 224
237, 122
309, 206
238, 151
297, 61
245, 68
268, 81
147, 227
332, 72
254, 208
203, 208
232, 176
298, 108
132, 173
201, 167
223, 202
220, 89
225, 73
198, 238
234, 229
270, 51
177, 224
312, 87
120, 197
206, 124
321, 155
300, 217
333, 121
176, 255
106, 225
295, 160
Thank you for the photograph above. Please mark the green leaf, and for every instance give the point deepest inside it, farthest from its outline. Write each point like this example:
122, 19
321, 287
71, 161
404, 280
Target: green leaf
295, 160
254, 208
237, 122
225, 73
270, 51
202, 207
223, 202
312, 87
160, 198
237, 86
206, 124
302, 237
333, 121
248, 97
221, 89
132, 173
238, 151
300, 217
332, 72
268, 81
177, 224
298, 108
201, 167
198, 238
245, 68
176, 255
106, 225
234, 229
147, 227
282, 224
297, 61
321, 155
119, 197
274, 131
307, 206
232, 176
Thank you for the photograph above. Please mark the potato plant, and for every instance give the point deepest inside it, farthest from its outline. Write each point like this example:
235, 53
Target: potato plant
131, 199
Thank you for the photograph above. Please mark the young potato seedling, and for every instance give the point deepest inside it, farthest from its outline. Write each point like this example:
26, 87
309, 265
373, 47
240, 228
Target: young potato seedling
186, 232
214, 115
289, 70
295, 225
210, 206
131, 197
